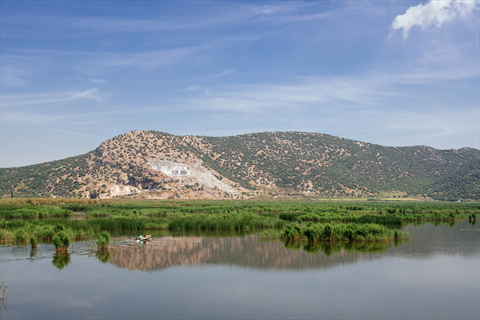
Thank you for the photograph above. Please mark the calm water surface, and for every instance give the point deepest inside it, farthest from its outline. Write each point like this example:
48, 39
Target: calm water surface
225, 276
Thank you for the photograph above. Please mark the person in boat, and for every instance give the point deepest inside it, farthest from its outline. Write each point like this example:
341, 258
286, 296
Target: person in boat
140, 237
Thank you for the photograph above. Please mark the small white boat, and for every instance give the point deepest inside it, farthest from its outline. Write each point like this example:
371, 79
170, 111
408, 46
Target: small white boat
146, 237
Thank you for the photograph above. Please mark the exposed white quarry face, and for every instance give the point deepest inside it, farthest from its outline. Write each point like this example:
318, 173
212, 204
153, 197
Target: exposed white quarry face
170, 168
190, 174
119, 190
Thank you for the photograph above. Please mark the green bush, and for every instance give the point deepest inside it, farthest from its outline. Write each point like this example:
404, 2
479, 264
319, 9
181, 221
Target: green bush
231, 221
59, 227
314, 232
21, 236
33, 241
103, 240
61, 241
45, 233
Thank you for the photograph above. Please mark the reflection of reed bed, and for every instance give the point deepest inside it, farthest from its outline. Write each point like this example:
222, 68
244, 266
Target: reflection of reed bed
328, 248
103, 255
316, 232
360, 247
61, 260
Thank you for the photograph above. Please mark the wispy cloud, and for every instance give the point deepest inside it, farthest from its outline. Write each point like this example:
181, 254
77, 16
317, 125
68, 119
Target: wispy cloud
371, 90
98, 80
145, 60
192, 87
88, 25
33, 117
36, 99
90, 60
13, 77
80, 134
208, 77
303, 93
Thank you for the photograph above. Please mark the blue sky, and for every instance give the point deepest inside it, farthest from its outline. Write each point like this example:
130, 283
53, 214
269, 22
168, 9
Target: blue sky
397, 73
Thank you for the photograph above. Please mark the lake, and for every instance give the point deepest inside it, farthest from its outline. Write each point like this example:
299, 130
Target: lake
238, 276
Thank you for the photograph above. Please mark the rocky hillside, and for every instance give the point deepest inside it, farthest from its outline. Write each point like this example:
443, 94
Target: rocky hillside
154, 164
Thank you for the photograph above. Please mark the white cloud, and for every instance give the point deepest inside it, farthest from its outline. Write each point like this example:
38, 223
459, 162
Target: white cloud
35, 99
433, 13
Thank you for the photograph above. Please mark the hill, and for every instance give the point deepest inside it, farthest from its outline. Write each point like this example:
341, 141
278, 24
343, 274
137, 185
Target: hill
155, 164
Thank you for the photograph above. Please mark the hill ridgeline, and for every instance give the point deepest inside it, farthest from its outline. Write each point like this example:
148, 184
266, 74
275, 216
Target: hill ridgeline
151, 164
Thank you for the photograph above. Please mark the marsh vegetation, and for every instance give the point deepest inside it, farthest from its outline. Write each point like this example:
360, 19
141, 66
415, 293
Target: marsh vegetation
30, 221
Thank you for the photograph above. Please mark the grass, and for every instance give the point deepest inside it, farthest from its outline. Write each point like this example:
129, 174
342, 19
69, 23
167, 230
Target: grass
19, 223
311, 210
381, 219
61, 241
223, 222
34, 212
103, 240
33, 242
436, 216
20, 232
316, 232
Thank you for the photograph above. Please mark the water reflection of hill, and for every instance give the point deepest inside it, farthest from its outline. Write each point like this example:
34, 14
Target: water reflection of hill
247, 251
250, 252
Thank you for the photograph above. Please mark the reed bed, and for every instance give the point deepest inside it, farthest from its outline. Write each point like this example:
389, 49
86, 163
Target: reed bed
148, 212
21, 232
385, 219
223, 222
308, 210
103, 240
381, 219
316, 232
34, 212
329, 217
436, 216
62, 241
